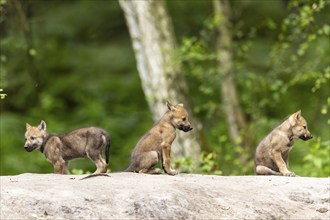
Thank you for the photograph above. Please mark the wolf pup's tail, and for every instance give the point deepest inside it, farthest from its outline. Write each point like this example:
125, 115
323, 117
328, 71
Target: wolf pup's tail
130, 168
107, 147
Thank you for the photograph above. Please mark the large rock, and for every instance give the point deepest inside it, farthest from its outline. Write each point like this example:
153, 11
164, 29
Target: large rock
185, 196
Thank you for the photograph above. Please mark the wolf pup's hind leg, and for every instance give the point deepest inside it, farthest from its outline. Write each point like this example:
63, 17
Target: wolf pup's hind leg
151, 171
147, 162
263, 170
100, 163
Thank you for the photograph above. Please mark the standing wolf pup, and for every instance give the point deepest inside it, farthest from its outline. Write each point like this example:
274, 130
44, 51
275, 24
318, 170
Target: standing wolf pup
155, 145
272, 154
59, 149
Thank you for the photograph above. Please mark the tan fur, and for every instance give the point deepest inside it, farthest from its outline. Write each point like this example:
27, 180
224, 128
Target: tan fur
272, 153
59, 149
155, 145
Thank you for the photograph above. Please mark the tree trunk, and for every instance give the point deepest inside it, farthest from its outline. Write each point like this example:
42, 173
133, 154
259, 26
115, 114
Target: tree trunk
234, 116
154, 45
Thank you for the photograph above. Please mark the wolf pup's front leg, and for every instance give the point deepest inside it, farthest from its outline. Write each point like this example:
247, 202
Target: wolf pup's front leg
166, 153
280, 163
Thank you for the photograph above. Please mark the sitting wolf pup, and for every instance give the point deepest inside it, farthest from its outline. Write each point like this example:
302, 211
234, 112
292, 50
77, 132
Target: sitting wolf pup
59, 149
272, 154
155, 145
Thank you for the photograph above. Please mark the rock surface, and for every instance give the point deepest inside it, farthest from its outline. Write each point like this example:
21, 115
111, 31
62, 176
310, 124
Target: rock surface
185, 196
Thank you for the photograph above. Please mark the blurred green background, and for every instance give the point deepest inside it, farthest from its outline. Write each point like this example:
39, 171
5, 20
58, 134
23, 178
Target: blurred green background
71, 63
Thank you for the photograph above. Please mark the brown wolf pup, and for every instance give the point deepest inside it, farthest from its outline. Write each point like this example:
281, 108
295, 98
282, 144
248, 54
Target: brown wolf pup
155, 145
59, 149
272, 153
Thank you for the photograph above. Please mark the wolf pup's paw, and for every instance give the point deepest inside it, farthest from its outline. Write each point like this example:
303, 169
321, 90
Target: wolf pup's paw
292, 174
173, 172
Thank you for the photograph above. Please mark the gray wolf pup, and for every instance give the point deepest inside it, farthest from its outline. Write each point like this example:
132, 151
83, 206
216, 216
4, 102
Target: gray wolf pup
272, 153
155, 145
59, 149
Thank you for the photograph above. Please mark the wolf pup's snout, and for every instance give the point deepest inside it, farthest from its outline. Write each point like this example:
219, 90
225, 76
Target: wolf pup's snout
29, 148
185, 128
306, 137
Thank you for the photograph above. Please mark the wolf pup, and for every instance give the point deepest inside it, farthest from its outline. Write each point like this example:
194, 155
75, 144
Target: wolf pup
59, 149
155, 145
272, 153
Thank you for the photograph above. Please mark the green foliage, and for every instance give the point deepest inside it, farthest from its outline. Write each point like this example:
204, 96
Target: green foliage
79, 72
275, 76
75, 71
79, 172
2, 95
207, 164
317, 161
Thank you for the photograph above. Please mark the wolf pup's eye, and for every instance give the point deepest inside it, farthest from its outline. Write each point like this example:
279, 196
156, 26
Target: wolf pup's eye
32, 138
305, 127
184, 119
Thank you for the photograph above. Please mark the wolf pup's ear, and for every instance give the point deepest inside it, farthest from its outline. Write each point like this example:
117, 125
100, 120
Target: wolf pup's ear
294, 118
298, 114
169, 106
42, 125
27, 126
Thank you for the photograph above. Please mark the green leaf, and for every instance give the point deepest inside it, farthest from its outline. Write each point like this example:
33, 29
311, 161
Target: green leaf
32, 52
326, 29
324, 110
